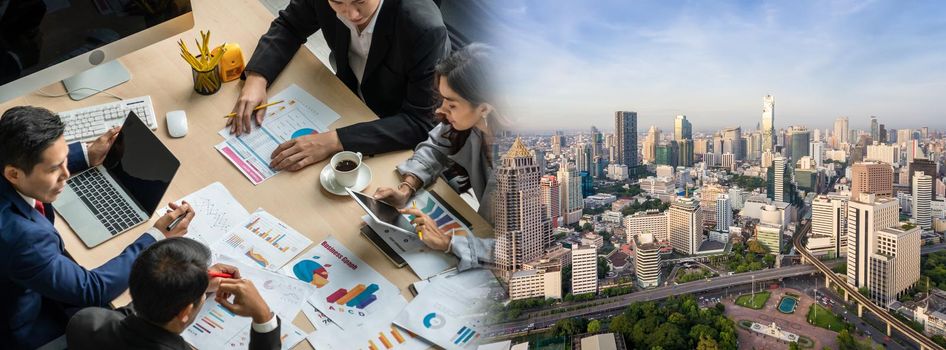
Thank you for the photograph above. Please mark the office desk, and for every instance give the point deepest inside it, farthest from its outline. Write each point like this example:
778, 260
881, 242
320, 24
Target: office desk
296, 198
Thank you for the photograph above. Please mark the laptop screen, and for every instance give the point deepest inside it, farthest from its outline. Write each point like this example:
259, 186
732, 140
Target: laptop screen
141, 164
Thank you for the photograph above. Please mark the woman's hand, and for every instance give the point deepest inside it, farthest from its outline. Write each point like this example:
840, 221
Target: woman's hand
428, 231
396, 197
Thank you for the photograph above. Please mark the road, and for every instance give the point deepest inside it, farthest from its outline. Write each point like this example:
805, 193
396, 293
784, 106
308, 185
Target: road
617, 304
910, 333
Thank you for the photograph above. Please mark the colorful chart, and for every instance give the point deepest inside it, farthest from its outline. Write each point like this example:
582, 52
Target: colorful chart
359, 297
303, 132
257, 258
434, 321
234, 241
268, 236
436, 211
464, 335
215, 320
390, 339
312, 272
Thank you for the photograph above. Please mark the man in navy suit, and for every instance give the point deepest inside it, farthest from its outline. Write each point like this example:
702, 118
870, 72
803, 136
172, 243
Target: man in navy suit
40, 285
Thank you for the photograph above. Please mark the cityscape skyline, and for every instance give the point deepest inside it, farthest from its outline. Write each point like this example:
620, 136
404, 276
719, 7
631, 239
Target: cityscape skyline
660, 61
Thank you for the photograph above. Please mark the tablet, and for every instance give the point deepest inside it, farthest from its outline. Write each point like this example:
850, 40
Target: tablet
382, 213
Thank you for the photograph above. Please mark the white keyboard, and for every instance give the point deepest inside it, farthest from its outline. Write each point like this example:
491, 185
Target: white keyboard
86, 124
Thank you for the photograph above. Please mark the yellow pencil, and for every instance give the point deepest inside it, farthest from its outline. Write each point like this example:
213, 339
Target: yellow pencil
231, 115
420, 234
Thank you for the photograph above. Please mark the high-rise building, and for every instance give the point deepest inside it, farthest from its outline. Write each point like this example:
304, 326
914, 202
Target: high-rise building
583, 157
625, 127
768, 123
708, 195
866, 214
584, 269
878, 152
646, 261
551, 199
651, 221
927, 166
894, 263
649, 146
817, 153
874, 129
667, 154
558, 141
770, 236
732, 142
572, 202
723, 213
873, 177
597, 143
685, 152
829, 219
801, 140
685, 225
540, 159
779, 176
517, 210
841, 132
682, 129
922, 194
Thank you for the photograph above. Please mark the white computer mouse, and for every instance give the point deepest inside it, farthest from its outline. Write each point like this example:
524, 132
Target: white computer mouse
177, 123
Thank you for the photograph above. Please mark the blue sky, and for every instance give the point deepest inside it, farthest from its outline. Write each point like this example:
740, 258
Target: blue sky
571, 64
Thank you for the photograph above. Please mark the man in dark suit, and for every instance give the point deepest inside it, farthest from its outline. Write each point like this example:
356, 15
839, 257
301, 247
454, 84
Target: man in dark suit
383, 50
169, 284
40, 284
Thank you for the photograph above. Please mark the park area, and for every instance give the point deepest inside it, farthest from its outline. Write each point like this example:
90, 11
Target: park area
751, 301
820, 316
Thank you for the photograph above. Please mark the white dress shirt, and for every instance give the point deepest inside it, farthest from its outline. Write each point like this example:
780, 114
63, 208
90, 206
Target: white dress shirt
360, 45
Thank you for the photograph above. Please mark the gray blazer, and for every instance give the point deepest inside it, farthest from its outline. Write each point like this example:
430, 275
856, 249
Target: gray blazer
429, 160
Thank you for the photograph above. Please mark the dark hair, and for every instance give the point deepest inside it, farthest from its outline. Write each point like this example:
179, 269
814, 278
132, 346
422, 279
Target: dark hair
167, 277
25, 132
468, 72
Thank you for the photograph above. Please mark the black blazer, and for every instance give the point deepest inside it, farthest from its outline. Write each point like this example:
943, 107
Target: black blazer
95, 328
409, 39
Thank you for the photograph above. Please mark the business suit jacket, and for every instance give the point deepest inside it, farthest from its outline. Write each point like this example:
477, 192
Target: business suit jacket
40, 284
103, 329
398, 84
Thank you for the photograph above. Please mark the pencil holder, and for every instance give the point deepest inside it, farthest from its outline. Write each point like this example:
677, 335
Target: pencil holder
207, 82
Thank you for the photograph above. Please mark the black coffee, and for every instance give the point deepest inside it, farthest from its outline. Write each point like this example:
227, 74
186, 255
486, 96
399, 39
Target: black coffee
346, 165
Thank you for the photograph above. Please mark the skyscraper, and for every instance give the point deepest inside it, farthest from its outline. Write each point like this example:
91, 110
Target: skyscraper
874, 129
646, 261
570, 193
583, 157
558, 140
922, 186
872, 177
840, 132
517, 210
866, 214
801, 140
926, 166
649, 146
625, 127
779, 177
685, 225
829, 219
682, 129
723, 213
732, 142
894, 263
551, 199
768, 123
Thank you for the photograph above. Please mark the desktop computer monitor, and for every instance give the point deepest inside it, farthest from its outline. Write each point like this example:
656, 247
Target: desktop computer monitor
78, 41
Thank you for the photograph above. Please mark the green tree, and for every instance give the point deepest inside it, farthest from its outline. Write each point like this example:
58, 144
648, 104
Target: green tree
793, 346
594, 326
603, 267
769, 260
668, 336
707, 343
757, 247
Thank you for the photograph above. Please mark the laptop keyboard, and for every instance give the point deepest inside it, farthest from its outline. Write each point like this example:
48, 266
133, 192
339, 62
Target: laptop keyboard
104, 201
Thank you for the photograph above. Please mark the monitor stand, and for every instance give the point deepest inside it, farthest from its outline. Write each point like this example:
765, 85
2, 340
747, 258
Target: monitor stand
96, 79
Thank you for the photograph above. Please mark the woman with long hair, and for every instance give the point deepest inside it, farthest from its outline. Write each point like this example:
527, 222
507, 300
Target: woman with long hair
460, 141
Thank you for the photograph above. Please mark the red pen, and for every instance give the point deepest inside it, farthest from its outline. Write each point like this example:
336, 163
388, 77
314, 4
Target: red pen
219, 274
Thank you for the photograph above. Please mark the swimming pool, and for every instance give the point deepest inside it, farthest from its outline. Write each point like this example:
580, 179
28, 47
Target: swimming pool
787, 305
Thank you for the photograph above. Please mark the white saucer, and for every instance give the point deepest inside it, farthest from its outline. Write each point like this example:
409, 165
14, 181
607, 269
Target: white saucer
327, 178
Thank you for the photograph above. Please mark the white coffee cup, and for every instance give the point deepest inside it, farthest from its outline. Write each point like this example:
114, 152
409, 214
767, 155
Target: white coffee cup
346, 178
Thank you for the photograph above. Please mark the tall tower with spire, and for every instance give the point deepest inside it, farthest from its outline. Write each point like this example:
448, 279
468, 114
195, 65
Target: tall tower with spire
517, 210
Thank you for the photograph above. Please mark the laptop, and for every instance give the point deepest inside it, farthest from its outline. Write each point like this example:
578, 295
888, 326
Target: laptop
124, 191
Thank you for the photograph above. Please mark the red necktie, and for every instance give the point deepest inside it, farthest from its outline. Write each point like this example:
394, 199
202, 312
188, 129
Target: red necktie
41, 208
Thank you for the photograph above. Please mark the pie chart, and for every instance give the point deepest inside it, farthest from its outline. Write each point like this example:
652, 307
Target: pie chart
434, 321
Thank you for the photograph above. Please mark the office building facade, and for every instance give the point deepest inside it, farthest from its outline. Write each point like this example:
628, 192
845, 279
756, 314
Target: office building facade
517, 210
871, 177
922, 193
625, 128
768, 123
646, 261
866, 215
685, 225
584, 269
